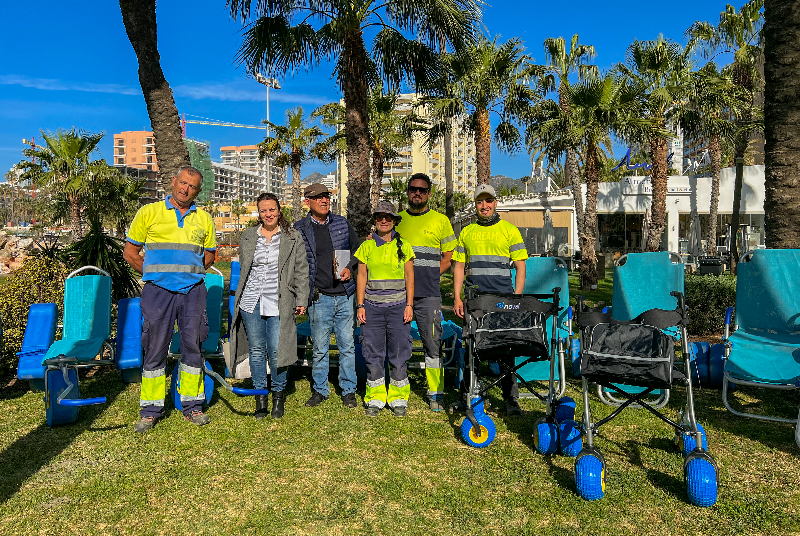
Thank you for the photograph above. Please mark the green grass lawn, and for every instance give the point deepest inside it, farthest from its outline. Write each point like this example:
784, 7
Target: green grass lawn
331, 470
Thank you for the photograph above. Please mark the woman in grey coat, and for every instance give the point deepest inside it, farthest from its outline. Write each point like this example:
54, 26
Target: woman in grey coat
274, 288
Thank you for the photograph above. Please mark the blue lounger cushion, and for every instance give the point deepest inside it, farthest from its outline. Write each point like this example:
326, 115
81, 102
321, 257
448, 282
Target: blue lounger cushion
87, 318
768, 358
40, 332
129, 334
644, 282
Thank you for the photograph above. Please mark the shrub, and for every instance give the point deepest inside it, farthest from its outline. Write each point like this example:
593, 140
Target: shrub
40, 280
708, 297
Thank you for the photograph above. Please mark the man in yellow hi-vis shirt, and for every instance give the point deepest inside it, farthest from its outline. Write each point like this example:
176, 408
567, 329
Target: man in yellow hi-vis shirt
179, 243
483, 256
431, 237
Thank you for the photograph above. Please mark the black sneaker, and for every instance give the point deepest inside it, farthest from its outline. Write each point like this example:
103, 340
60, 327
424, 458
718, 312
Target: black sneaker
198, 418
145, 424
349, 400
372, 411
512, 407
399, 411
315, 400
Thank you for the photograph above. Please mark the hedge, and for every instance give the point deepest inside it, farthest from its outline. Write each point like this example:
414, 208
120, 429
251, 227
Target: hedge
708, 297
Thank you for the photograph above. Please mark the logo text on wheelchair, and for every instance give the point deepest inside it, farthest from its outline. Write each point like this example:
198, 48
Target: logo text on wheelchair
504, 305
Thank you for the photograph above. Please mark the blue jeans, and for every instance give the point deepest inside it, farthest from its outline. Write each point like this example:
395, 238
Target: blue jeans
263, 333
326, 315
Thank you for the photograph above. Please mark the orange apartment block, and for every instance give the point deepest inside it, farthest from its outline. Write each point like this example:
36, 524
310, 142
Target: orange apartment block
135, 149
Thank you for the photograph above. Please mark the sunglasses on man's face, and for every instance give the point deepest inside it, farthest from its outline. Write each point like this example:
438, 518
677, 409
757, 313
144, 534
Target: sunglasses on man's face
418, 189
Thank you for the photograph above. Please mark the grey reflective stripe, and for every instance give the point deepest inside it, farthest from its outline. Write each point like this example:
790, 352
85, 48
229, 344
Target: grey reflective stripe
144, 403
460, 249
191, 370
173, 245
489, 271
376, 383
517, 247
502, 259
386, 298
386, 284
154, 373
427, 249
426, 262
201, 396
399, 383
187, 268
448, 239
507, 329
628, 357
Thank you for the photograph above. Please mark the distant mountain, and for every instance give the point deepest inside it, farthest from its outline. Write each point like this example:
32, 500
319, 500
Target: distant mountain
314, 177
498, 181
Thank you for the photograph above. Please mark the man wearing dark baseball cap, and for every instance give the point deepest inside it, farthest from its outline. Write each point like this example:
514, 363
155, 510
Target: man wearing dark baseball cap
327, 237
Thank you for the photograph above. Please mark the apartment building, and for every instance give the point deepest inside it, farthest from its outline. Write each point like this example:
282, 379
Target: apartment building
135, 149
246, 157
417, 158
232, 182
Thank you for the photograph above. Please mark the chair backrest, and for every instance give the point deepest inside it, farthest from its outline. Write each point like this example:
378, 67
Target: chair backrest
767, 295
215, 284
236, 270
87, 307
542, 275
643, 282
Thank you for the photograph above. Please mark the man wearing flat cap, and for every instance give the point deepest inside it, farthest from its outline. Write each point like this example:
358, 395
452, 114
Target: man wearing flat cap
483, 257
328, 238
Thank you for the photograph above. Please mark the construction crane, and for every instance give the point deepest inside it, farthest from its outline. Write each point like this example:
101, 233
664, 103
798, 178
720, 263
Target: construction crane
207, 121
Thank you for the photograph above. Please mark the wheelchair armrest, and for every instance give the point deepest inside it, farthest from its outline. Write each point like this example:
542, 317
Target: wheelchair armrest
728, 318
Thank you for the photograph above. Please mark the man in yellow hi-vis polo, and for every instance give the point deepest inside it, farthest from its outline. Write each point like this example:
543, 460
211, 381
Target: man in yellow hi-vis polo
483, 257
179, 243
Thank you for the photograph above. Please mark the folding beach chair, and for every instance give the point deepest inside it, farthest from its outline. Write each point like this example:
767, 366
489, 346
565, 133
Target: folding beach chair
498, 326
765, 349
87, 332
639, 351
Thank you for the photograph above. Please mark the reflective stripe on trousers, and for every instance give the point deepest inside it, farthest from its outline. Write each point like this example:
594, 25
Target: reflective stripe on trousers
386, 336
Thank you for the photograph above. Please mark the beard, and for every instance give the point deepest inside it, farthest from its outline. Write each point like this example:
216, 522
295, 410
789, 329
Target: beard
417, 206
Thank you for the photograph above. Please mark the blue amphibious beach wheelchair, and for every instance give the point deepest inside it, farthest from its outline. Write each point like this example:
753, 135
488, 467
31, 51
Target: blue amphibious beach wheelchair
762, 348
630, 352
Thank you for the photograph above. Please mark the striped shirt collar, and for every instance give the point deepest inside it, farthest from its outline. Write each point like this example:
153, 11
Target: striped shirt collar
314, 220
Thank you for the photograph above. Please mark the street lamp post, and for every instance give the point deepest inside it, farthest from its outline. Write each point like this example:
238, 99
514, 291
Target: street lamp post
270, 83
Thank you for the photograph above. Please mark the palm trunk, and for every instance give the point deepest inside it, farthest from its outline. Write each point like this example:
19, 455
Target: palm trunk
715, 152
781, 117
139, 17
483, 147
377, 176
739, 150
572, 174
75, 217
354, 87
588, 268
658, 210
297, 208
449, 202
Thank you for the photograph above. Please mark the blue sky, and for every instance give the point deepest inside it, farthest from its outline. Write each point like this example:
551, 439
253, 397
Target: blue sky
65, 64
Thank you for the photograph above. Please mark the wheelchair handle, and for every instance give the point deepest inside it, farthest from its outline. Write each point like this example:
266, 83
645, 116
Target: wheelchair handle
88, 267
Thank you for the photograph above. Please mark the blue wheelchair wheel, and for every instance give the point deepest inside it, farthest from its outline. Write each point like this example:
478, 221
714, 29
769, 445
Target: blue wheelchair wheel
56, 413
570, 441
487, 431
701, 482
565, 409
590, 476
689, 443
545, 437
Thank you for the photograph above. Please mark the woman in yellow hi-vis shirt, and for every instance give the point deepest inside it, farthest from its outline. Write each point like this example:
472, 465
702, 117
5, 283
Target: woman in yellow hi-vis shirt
384, 296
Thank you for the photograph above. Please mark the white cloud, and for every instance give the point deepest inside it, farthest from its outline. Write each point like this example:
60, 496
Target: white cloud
232, 92
51, 84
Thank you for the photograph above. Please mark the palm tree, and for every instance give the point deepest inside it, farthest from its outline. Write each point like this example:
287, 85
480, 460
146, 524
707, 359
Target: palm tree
238, 209
781, 117
711, 110
291, 146
397, 192
482, 79
561, 64
273, 44
139, 17
596, 107
389, 132
664, 68
739, 33
64, 162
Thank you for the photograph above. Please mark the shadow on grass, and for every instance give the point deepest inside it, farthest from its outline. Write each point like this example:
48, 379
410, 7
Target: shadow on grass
30, 453
671, 484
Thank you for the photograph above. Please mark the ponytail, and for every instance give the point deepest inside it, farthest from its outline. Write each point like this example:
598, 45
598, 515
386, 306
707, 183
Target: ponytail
400, 254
